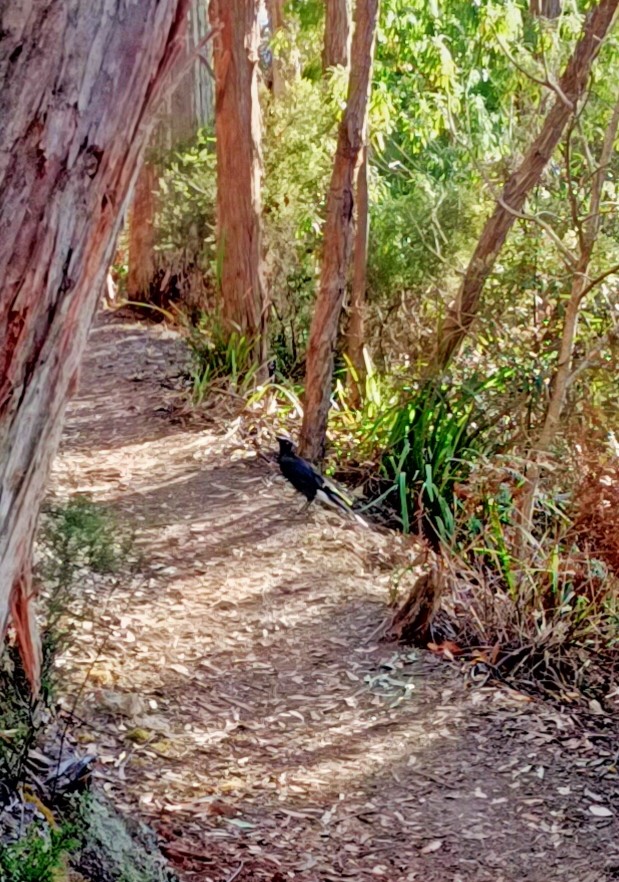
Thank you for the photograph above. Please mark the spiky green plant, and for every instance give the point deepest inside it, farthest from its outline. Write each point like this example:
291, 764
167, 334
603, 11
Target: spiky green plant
434, 439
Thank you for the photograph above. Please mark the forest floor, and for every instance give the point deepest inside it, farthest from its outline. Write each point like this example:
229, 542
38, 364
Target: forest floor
239, 699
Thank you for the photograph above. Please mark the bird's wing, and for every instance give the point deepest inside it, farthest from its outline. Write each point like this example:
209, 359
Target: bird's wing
337, 491
303, 467
323, 483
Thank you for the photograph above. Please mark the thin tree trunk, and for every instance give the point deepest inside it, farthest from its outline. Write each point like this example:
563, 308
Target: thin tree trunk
337, 34
237, 126
141, 239
580, 279
459, 319
356, 324
79, 85
276, 20
190, 105
338, 235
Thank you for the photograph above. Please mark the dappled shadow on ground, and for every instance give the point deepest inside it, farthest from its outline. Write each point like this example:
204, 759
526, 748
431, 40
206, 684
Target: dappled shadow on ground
242, 701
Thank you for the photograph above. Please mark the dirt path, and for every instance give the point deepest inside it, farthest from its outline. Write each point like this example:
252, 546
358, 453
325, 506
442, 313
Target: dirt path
243, 704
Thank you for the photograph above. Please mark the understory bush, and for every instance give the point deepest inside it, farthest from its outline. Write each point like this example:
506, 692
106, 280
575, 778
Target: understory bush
540, 607
76, 538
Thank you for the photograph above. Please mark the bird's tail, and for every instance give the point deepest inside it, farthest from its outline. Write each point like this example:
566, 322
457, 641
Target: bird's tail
330, 496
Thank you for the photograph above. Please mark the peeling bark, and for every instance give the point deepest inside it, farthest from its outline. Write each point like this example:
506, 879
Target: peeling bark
80, 83
338, 235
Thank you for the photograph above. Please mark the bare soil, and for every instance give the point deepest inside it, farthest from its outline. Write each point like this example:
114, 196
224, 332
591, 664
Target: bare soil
240, 701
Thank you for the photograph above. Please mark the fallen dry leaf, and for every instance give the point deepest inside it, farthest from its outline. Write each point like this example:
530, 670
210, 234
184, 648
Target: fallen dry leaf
447, 648
600, 811
432, 846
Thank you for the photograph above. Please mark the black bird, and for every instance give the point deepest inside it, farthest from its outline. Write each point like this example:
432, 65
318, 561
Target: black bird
307, 481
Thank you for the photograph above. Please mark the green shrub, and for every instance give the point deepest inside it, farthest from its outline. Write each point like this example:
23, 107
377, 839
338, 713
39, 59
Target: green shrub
434, 440
75, 536
185, 221
38, 856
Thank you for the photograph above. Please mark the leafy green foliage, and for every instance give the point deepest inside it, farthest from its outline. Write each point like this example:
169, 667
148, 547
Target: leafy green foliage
185, 224
435, 438
363, 425
80, 533
38, 856
299, 143
76, 536
186, 215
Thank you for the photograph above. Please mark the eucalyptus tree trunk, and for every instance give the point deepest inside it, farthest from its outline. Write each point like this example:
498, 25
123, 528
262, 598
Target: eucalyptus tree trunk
338, 235
141, 261
337, 34
355, 336
79, 86
545, 8
238, 134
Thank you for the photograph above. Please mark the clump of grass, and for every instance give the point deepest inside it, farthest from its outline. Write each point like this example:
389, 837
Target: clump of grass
76, 536
541, 612
432, 441
356, 432
218, 356
544, 618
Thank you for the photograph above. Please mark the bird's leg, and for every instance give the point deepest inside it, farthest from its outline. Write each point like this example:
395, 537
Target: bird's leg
305, 506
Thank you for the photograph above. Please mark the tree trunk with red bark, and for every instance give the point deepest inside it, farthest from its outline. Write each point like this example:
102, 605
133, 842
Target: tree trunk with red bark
338, 235
141, 238
570, 88
238, 133
79, 86
185, 110
337, 34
